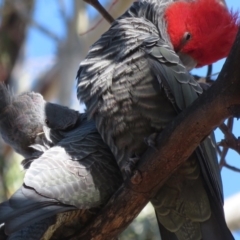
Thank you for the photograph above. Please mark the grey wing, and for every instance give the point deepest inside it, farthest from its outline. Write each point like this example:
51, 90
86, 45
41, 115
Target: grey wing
182, 90
80, 170
70, 181
165, 65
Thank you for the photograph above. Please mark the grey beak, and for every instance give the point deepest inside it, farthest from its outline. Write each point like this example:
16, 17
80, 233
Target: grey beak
187, 61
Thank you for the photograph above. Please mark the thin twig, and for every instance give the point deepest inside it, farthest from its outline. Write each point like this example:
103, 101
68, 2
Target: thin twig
99, 21
209, 72
230, 123
98, 6
222, 161
230, 140
219, 151
232, 168
225, 129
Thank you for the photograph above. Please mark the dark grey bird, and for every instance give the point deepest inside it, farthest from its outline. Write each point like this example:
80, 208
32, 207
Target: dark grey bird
135, 80
72, 177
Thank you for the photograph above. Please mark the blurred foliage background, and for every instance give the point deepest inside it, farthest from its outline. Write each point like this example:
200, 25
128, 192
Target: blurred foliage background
41, 45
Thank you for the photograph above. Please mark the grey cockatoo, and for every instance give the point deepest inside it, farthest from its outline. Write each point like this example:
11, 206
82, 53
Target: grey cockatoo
135, 80
71, 177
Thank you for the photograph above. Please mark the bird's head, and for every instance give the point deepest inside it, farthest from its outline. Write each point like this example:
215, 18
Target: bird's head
58, 117
202, 29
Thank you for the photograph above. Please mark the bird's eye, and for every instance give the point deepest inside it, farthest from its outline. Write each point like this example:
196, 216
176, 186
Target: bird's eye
46, 121
187, 36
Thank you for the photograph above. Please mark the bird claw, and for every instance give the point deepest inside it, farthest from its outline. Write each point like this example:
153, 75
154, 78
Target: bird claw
128, 169
152, 140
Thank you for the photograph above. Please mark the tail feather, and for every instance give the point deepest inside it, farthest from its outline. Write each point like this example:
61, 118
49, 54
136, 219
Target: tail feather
34, 231
3, 236
35, 216
164, 233
215, 228
21, 211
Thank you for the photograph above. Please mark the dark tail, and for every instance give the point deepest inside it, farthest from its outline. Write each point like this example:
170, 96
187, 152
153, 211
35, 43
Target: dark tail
3, 236
34, 231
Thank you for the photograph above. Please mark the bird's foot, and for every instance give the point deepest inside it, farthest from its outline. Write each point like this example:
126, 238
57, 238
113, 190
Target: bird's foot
128, 169
151, 141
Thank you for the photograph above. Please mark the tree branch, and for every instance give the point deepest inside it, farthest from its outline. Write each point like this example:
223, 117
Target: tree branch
100, 20
230, 140
100, 9
221, 101
232, 168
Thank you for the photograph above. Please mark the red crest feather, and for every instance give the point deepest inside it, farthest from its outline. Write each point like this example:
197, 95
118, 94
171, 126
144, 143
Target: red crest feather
212, 27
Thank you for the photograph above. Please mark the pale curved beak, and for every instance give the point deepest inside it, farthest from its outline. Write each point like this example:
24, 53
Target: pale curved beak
187, 61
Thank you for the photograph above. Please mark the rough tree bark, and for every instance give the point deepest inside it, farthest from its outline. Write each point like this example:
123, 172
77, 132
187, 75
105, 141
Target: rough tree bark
155, 167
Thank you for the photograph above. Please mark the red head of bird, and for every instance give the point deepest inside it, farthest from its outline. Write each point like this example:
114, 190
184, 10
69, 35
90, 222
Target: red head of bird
202, 29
